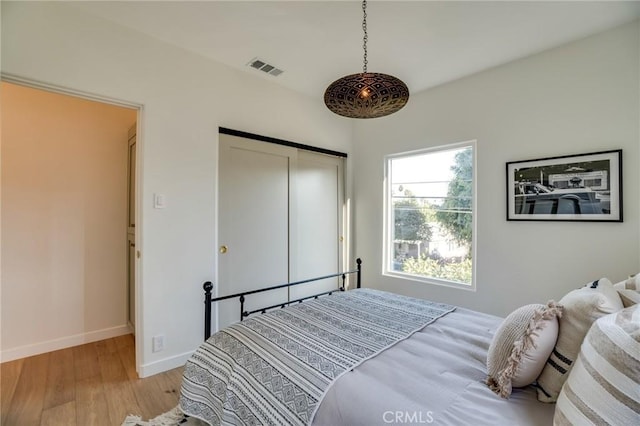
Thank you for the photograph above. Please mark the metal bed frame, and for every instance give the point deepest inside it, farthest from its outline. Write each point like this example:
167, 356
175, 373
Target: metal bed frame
208, 300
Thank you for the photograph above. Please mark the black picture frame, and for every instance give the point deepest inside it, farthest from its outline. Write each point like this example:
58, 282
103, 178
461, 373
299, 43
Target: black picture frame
568, 188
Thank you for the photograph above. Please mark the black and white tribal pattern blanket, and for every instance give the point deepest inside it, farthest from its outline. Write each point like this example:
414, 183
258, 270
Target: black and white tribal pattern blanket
274, 369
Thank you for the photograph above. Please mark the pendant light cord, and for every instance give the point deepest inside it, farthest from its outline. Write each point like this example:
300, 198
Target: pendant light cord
366, 37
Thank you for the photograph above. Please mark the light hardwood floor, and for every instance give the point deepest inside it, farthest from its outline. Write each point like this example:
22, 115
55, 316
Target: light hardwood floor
92, 384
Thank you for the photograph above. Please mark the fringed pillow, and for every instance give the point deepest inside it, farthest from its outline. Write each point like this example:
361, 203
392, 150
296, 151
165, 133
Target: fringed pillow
581, 308
629, 291
603, 387
521, 346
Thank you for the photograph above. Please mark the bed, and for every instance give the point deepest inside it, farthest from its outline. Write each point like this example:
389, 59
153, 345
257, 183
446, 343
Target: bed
356, 357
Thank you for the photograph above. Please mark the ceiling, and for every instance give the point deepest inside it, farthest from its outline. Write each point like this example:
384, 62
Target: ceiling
424, 43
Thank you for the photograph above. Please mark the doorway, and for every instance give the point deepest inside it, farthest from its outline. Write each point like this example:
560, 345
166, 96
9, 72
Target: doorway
64, 218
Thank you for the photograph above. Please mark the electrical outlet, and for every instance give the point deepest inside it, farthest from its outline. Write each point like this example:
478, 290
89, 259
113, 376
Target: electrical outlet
158, 343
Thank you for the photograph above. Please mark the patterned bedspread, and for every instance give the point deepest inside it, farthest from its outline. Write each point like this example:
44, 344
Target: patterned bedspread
274, 368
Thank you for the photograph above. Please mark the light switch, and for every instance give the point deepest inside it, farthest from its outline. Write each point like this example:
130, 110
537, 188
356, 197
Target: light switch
159, 201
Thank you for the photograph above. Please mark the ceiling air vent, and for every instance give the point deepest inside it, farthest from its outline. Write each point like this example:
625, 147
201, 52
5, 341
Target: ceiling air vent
263, 66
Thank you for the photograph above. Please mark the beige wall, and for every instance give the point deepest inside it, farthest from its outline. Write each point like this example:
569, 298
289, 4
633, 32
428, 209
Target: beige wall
577, 98
185, 98
64, 195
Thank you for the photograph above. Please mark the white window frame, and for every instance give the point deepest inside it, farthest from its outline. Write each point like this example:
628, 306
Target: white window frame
387, 245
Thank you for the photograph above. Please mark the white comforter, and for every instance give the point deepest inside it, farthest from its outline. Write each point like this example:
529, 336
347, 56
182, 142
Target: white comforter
435, 377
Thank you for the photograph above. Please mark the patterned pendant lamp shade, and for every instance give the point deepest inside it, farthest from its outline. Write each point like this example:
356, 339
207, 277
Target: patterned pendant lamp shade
367, 94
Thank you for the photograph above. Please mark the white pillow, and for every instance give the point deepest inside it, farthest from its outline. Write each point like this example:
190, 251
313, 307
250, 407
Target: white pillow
580, 309
629, 290
521, 346
604, 385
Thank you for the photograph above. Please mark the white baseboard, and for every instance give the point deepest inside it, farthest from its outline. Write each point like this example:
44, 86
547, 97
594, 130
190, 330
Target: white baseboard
62, 343
163, 365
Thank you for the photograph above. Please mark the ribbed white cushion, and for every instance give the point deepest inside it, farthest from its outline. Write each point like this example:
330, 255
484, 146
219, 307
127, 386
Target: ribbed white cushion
603, 387
521, 346
580, 309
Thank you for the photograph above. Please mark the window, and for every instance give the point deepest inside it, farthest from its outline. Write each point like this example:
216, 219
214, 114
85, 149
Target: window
430, 201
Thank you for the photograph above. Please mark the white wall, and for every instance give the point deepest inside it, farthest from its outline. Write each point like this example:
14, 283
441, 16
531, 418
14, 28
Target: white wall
577, 98
185, 98
64, 199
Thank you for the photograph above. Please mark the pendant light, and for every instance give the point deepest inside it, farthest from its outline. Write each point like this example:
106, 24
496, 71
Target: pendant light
366, 95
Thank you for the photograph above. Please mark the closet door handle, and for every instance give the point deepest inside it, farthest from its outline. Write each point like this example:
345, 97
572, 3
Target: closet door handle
223, 249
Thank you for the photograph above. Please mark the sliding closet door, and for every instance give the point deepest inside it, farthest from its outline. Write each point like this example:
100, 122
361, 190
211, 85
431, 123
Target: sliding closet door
253, 223
318, 199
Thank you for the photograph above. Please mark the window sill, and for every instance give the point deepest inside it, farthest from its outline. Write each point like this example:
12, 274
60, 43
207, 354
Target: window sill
430, 280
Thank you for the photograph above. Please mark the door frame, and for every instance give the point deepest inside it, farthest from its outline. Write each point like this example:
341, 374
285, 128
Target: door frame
35, 84
256, 137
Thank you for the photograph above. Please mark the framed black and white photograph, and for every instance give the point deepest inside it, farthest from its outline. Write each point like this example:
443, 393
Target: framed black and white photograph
583, 187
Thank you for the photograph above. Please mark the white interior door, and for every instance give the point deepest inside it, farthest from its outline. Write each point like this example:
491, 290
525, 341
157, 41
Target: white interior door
317, 222
131, 280
253, 223
131, 229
